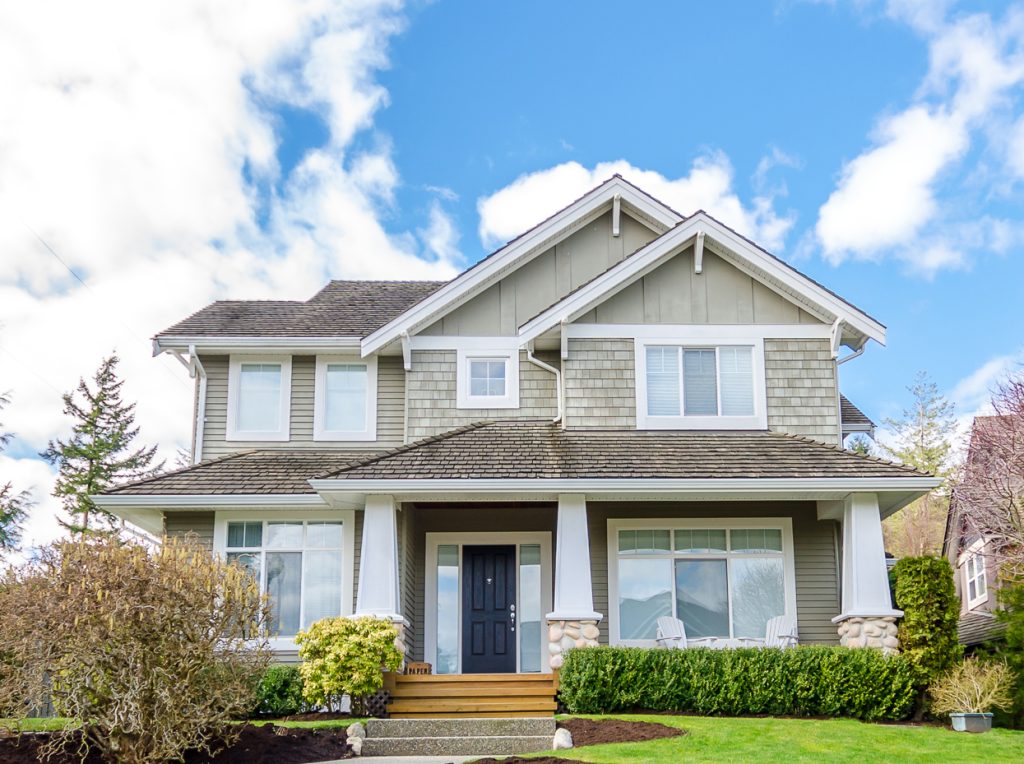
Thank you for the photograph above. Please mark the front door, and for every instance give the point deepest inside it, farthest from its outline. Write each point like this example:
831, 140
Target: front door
489, 609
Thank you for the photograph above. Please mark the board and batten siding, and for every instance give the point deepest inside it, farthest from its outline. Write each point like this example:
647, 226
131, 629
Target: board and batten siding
431, 399
390, 408
802, 390
814, 550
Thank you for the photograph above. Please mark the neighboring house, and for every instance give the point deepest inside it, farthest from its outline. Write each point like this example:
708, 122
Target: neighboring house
621, 414
975, 568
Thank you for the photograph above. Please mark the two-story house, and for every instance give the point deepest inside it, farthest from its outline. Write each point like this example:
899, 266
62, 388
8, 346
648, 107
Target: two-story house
623, 413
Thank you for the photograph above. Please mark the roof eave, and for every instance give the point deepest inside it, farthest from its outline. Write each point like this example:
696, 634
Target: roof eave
252, 344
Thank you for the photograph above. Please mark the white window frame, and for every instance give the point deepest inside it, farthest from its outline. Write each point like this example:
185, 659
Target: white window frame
975, 554
434, 540
463, 398
234, 373
320, 432
644, 421
345, 516
784, 524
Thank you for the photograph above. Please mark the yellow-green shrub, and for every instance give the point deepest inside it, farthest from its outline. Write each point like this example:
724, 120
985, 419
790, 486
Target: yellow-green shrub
346, 656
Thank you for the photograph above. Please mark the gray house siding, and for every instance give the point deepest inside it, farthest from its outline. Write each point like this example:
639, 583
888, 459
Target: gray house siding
183, 523
390, 408
814, 551
802, 392
545, 279
431, 397
600, 385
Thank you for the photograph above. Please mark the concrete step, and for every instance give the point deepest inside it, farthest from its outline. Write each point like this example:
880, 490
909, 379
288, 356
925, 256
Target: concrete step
488, 745
500, 727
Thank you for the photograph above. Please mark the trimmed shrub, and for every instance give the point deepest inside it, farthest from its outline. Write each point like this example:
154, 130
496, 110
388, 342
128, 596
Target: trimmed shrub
802, 681
346, 656
926, 595
1011, 648
280, 692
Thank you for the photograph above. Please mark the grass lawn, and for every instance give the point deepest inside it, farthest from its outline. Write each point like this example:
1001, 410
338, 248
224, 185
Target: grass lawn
804, 740
328, 724
44, 724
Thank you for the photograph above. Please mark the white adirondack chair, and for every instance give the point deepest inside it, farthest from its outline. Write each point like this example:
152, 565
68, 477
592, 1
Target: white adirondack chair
780, 631
671, 632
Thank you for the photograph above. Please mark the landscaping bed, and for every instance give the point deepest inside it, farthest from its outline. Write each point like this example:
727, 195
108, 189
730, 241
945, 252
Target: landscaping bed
265, 744
600, 731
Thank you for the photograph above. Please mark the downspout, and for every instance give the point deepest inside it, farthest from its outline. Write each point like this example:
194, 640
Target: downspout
558, 378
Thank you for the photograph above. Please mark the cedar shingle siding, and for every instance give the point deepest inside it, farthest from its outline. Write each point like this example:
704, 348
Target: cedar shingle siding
802, 397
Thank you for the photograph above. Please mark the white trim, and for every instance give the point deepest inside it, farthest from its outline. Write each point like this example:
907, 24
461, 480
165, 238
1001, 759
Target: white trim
758, 421
436, 539
534, 241
284, 401
976, 554
819, 299
785, 524
458, 342
320, 398
261, 344
463, 398
702, 332
347, 519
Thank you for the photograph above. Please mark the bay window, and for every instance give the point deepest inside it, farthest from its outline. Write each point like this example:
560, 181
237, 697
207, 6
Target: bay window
722, 579
345, 398
259, 397
299, 564
698, 386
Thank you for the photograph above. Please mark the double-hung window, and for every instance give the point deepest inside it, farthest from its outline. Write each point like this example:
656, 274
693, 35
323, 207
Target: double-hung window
259, 397
345, 398
721, 580
299, 565
487, 379
975, 577
683, 386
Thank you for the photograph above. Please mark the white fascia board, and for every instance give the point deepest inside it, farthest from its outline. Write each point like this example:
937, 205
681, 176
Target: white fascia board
697, 331
651, 256
481, 276
173, 501
254, 344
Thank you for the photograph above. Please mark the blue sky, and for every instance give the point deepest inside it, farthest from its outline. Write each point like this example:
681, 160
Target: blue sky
878, 146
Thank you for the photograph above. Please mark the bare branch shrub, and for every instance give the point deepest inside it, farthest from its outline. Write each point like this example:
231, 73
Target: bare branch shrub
972, 687
152, 651
990, 496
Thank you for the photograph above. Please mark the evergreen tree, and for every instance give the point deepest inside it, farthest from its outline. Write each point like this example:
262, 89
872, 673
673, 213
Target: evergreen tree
100, 451
922, 438
14, 505
860, 444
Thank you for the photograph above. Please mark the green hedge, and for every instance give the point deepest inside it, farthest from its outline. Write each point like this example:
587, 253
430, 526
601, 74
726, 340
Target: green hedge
802, 681
280, 692
931, 610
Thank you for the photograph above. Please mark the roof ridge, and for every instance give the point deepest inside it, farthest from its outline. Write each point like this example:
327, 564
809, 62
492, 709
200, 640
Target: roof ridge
408, 447
842, 450
181, 470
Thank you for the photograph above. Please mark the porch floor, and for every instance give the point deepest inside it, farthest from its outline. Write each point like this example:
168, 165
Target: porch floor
446, 696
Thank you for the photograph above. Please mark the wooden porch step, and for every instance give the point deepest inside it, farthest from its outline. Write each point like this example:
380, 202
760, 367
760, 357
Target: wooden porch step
473, 704
422, 696
471, 715
464, 678
447, 691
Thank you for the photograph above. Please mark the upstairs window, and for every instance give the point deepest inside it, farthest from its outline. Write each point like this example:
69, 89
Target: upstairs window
259, 394
487, 379
698, 387
977, 581
345, 405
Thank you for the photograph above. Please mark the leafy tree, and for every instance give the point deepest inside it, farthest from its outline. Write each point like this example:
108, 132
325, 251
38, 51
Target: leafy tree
14, 504
923, 438
100, 451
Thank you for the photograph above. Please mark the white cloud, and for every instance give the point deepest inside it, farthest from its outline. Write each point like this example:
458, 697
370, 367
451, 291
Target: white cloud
972, 395
893, 200
139, 140
531, 198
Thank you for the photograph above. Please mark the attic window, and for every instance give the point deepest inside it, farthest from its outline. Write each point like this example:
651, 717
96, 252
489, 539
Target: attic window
487, 379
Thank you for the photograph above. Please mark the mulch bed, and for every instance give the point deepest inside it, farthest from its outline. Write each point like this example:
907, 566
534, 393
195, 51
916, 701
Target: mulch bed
265, 744
598, 731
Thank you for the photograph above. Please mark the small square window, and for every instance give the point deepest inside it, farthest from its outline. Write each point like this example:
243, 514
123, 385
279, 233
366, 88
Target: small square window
487, 378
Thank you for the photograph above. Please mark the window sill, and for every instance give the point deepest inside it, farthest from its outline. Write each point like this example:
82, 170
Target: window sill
278, 437
701, 423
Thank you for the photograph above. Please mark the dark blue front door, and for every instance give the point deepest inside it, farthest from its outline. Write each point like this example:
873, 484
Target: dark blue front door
489, 609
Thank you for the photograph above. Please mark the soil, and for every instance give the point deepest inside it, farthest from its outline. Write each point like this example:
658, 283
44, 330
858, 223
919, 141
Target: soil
597, 731
266, 744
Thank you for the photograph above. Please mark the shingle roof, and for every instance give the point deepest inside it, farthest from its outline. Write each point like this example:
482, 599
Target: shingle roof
853, 419
269, 471
539, 450
340, 309
979, 627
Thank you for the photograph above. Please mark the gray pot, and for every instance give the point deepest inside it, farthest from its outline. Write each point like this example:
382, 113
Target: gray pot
971, 722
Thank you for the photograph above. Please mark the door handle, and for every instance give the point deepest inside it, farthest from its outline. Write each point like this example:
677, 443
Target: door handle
512, 615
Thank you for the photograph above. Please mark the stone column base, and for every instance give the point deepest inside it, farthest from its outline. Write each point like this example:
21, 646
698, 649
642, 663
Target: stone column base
563, 636
877, 632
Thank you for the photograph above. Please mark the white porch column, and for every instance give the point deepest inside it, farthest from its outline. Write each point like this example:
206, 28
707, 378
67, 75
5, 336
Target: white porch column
868, 618
573, 623
377, 593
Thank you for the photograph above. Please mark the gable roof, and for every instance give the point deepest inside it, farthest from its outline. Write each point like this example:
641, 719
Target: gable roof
853, 419
533, 242
732, 247
350, 309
